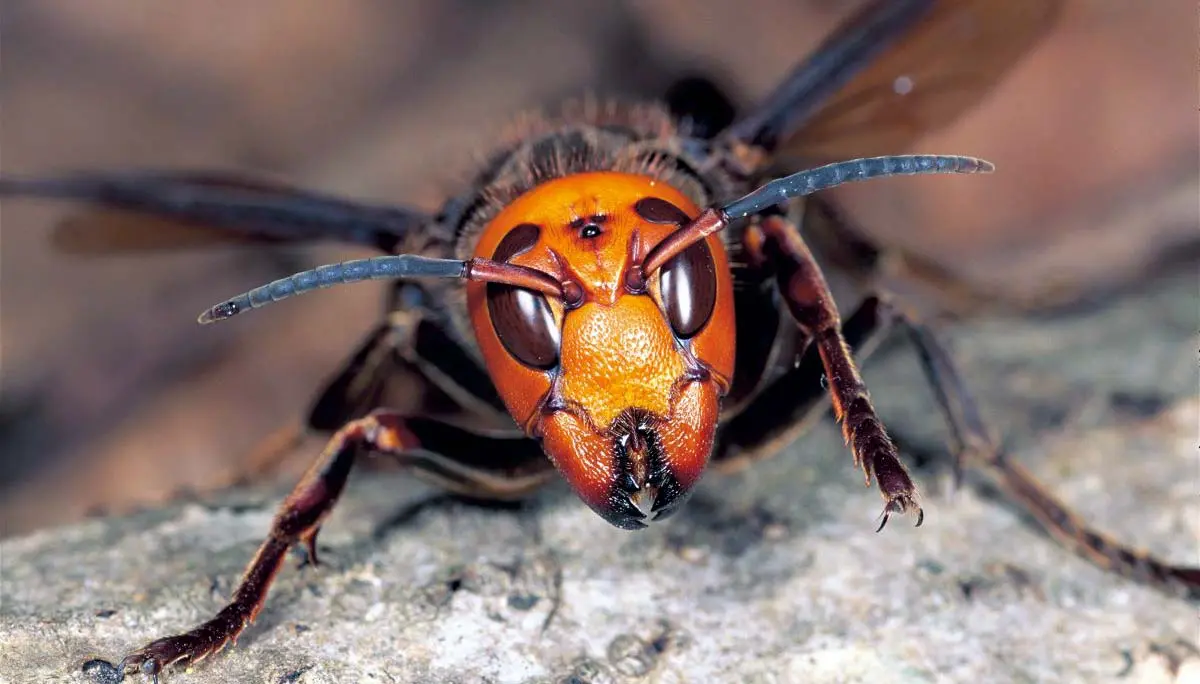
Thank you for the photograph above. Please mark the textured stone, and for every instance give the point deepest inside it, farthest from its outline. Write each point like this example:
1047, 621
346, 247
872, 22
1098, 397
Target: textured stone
769, 576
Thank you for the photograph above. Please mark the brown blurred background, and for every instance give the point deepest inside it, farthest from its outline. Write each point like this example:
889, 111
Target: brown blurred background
113, 397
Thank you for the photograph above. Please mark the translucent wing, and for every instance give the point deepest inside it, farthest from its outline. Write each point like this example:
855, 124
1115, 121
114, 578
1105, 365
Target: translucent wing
160, 210
894, 71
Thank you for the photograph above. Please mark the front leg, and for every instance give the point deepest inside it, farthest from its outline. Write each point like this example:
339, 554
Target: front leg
297, 521
479, 466
808, 299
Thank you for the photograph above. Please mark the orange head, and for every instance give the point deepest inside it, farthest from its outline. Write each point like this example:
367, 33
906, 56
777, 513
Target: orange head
622, 387
620, 372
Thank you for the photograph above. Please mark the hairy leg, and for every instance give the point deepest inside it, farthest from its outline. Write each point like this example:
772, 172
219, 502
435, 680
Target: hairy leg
975, 444
808, 299
514, 467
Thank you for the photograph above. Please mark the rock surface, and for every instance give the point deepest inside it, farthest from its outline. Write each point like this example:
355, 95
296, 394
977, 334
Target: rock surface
772, 575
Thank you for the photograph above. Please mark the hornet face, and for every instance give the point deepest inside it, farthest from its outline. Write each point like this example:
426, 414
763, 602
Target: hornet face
622, 387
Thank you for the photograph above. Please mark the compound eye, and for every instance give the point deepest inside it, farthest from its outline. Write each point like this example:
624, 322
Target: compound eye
523, 319
689, 289
689, 281
525, 325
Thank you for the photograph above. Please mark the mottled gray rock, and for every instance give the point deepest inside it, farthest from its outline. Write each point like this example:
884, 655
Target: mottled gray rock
773, 575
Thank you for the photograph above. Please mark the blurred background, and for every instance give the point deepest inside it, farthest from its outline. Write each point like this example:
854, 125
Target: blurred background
112, 397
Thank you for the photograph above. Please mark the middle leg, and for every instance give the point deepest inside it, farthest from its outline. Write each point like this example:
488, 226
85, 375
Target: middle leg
974, 443
791, 401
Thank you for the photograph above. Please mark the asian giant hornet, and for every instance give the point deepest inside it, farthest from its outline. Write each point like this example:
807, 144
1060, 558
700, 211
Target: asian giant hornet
636, 291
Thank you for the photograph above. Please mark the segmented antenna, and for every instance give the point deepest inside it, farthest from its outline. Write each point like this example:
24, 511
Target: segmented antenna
831, 175
485, 270
383, 268
797, 185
